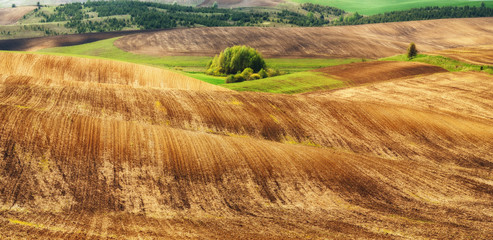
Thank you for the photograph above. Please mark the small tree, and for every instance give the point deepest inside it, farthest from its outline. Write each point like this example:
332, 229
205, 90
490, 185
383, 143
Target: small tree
13, 5
214, 5
412, 51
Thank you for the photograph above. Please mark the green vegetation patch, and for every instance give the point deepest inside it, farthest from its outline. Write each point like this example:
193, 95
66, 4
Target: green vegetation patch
290, 83
370, 7
106, 49
451, 65
207, 78
305, 64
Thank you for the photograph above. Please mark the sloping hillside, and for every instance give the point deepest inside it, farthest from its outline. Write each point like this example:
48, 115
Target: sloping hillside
368, 41
64, 68
99, 156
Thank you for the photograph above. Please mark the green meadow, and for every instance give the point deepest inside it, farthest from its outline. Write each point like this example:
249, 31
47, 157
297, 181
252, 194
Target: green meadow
370, 7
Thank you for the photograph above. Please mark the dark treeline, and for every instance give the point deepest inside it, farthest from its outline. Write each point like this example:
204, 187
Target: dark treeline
425, 13
301, 20
322, 10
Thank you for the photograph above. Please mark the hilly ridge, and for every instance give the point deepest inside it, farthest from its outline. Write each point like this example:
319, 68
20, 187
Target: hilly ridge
143, 152
372, 41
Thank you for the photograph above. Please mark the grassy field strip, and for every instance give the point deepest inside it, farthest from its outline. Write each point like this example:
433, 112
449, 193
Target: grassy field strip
451, 65
370, 7
291, 83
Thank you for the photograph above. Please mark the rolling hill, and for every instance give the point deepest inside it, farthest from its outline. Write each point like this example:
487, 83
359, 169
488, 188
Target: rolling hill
98, 149
372, 41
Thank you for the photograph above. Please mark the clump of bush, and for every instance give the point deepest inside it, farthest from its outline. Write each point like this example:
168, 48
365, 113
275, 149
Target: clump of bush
240, 63
248, 75
235, 59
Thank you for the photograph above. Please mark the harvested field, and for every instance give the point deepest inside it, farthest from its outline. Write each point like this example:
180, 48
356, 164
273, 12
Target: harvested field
372, 41
61, 68
83, 158
369, 72
478, 55
10, 16
458, 93
34, 44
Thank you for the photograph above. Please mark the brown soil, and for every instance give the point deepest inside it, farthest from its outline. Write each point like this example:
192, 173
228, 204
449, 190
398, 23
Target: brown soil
479, 55
368, 41
84, 158
369, 72
34, 44
55, 69
9, 16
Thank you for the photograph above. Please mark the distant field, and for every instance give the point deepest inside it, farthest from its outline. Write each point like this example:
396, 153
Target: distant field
372, 41
370, 7
12, 15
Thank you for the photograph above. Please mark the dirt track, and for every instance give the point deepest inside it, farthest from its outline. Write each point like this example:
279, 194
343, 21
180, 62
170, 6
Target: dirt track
369, 72
368, 41
10, 16
91, 159
479, 55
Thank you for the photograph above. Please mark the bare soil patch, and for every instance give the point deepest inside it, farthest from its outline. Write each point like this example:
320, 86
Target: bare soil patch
365, 41
9, 16
369, 72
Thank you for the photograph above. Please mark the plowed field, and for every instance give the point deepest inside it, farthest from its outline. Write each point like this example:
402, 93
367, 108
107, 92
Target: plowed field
368, 41
361, 73
10, 16
479, 55
34, 44
86, 155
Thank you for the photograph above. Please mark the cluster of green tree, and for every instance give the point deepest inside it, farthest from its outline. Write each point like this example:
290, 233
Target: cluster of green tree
240, 63
301, 20
147, 15
65, 12
107, 25
322, 10
150, 15
424, 13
